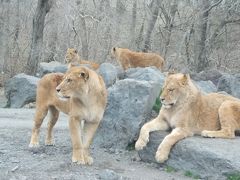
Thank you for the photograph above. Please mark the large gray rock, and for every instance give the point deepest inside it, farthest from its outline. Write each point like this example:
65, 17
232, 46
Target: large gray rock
109, 73
206, 86
20, 90
129, 103
209, 158
230, 84
146, 74
208, 75
51, 67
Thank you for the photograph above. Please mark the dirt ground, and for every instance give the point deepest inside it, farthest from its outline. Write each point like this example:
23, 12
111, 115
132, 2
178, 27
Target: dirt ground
17, 161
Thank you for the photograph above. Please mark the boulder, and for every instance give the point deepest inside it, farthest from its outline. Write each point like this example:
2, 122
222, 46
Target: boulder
208, 75
51, 67
208, 157
109, 73
129, 104
206, 86
146, 74
230, 84
20, 90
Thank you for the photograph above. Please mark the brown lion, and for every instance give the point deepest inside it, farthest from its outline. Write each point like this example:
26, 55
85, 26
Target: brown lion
72, 57
81, 94
187, 111
130, 59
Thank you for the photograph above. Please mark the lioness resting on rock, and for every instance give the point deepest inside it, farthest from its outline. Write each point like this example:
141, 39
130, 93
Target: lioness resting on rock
81, 94
189, 112
130, 59
72, 58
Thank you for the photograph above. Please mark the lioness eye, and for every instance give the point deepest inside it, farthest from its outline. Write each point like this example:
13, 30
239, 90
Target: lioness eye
69, 80
170, 90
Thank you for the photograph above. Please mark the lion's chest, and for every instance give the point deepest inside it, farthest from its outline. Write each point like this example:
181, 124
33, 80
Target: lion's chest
176, 119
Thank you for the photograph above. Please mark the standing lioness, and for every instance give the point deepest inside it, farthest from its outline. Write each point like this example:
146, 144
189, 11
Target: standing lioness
84, 98
189, 112
131, 59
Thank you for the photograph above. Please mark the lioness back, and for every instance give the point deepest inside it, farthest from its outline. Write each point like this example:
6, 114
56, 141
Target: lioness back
131, 59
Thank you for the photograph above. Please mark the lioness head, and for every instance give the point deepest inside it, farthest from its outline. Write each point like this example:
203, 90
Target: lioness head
75, 83
114, 52
71, 55
174, 89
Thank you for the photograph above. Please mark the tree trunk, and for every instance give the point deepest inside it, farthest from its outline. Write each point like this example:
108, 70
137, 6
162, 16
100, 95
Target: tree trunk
133, 25
84, 37
201, 29
169, 17
151, 24
43, 8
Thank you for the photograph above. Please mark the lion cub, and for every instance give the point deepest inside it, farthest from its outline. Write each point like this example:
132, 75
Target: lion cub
72, 58
189, 112
81, 94
130, 59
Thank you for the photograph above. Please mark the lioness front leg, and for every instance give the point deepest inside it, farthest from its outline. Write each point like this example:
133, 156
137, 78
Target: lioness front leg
167, 143
154, 125
75, 132
89, 132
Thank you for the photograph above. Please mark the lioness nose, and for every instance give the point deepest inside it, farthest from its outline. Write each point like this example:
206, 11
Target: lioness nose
162, 99
58, 89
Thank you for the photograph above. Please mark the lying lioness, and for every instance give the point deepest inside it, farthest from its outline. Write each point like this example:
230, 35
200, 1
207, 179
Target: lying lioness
84, 99
189, 112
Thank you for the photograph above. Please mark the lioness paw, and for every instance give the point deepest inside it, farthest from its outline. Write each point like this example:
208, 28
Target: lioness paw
49, 143
140, 144
88, 160
206, 134
161, 157
33, 145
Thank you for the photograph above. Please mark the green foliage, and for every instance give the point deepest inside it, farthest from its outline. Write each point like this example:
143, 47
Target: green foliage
169, 169
130, 146
235, 176
190, 174
157, 105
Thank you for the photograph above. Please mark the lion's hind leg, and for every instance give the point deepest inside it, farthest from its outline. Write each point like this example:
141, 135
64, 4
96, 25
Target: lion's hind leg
40, 114
54, 114
229, 113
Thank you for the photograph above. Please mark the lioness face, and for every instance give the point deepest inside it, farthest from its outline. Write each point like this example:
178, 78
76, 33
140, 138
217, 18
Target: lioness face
173, 89
74, 83
71, 55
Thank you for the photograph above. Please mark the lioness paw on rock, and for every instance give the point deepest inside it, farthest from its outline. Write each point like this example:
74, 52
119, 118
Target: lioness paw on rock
80, 93
187, 111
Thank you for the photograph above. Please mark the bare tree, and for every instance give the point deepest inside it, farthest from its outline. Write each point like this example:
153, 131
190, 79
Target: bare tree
43, 8
154, 8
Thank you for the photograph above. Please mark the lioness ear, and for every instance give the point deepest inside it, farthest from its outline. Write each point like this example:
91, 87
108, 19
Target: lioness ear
185, 79
84, 75
75, 51
114, 49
